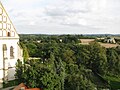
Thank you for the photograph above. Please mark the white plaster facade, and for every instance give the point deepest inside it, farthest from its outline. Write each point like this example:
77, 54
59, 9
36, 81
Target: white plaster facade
10, 50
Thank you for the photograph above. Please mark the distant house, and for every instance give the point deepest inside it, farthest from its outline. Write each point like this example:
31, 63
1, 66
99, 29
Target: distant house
109, 40
39, 41
22, 86
60, 40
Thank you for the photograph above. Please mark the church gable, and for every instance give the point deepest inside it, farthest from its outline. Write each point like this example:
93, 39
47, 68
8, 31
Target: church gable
7, 29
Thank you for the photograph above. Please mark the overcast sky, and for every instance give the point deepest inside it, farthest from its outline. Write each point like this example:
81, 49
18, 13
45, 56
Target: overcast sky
64, 16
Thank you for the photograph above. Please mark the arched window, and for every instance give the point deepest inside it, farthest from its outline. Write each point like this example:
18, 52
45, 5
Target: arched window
0, 32
8, 34
4, 19
4, 26
4, 51
1, 11
1, 18
12, 33
11, 52
4, 33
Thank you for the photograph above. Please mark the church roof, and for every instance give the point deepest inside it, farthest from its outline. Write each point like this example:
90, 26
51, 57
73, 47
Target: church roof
7, 29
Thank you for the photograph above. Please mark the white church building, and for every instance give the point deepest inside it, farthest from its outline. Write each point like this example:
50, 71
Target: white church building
10, 50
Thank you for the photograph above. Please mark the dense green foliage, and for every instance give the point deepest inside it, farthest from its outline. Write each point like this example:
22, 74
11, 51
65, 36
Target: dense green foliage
10, 83
114, 82
64, 64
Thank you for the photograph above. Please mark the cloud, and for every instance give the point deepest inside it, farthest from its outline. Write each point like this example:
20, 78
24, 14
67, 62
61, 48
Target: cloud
99, 15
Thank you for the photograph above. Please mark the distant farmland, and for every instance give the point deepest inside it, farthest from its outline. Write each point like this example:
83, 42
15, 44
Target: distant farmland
86, 41
106, 45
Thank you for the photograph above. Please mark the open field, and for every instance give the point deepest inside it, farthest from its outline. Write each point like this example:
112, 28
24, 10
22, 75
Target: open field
86, 41
106, 45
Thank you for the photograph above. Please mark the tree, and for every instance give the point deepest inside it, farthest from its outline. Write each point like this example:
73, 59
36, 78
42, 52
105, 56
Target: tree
19, 71
98, 59
113, 62
25, 51
76, 79
49, 75
65, 64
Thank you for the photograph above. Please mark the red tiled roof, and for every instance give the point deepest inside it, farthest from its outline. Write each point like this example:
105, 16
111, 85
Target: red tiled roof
19, 86
22, 85
33, 89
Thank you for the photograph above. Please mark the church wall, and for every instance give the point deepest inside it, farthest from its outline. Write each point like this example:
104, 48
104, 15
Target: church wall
1, 75
1, 57
1, 63
8, 39
11, 75
6, 24
20, 53
10, 64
